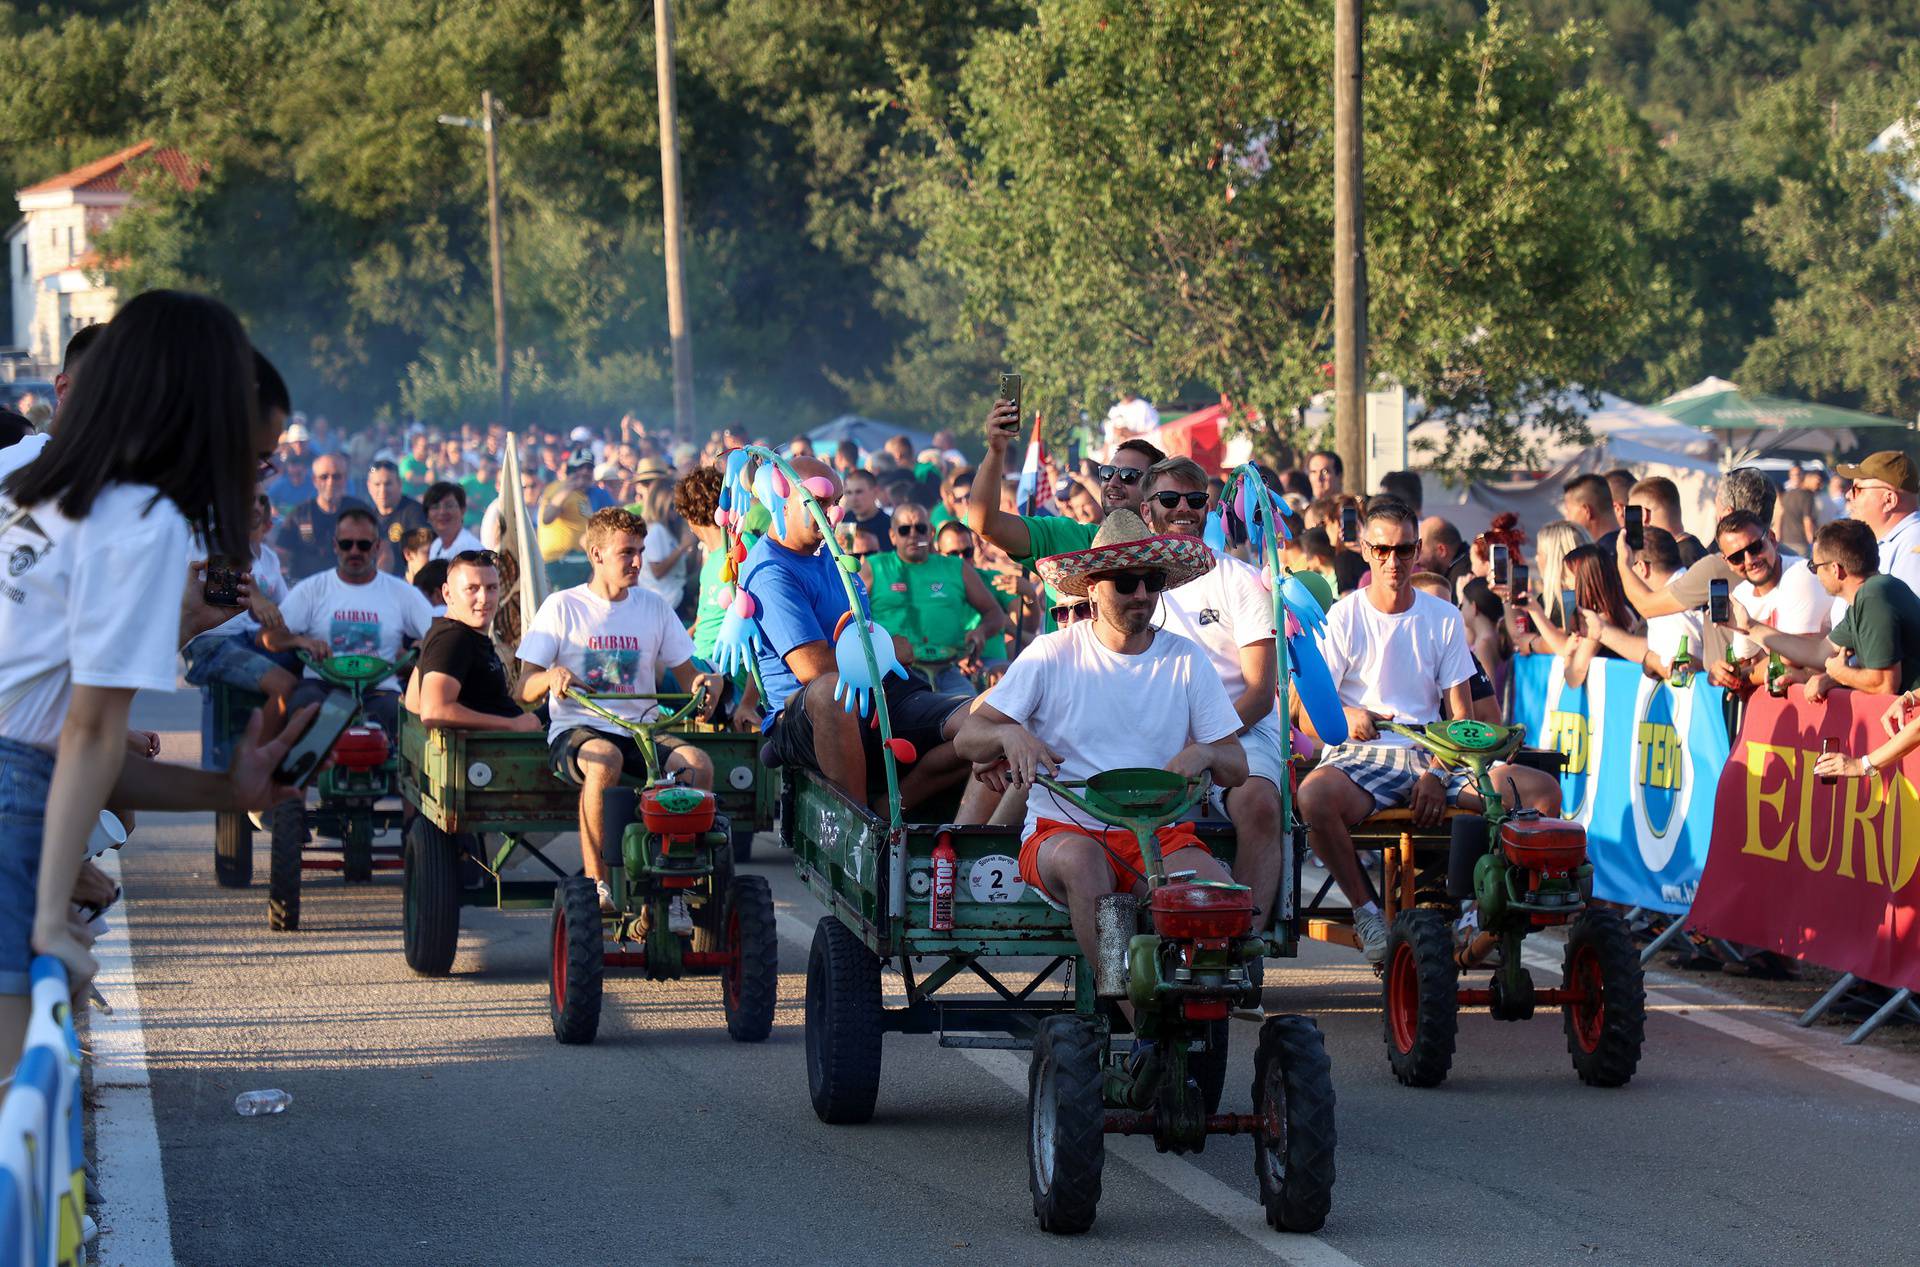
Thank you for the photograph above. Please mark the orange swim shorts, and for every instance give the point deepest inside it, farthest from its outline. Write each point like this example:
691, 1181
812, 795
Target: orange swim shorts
1123, 852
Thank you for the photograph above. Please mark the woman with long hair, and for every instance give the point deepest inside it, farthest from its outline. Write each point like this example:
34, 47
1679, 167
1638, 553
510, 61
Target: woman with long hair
1547, 626
158, 443
1594, 578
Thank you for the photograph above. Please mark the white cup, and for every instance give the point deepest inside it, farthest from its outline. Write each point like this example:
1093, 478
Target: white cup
110, 834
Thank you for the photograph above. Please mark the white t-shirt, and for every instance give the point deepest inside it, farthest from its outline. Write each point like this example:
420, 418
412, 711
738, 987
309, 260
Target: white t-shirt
94, 603
1401, 664
615, 648
1664, 634
1222, 611
1797, 605
658, 548
462, 542
21, 452
368, 619
1104, 711
493, 526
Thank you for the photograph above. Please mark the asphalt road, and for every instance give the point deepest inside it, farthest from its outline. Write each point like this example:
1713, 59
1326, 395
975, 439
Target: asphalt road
437, 1122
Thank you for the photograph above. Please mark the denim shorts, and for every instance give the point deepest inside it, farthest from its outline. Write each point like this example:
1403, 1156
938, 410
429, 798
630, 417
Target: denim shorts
25, 774
232, 660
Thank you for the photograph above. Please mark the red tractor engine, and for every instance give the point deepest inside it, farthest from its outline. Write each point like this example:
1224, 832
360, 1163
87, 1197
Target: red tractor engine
1211, 915
1552, 855
670, 810
360, 749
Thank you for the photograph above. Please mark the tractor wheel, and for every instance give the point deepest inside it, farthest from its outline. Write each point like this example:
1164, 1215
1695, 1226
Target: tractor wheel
1605, 1032
749, 986
844, 1025
1066, 1122
430, 901
743, 842
1293, 1097
1421, 998
232, 851
577, 961
1209, 1067
289, 823
356, 849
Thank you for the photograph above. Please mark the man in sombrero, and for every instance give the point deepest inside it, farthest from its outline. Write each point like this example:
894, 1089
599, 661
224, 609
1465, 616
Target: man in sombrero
1105, 693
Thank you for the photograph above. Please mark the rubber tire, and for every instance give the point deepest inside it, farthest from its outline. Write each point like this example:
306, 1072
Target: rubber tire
288, 822
430, 899
750, 992
1291, 1065
578, 945
1065, 1076
743, 843
1467, 846
232, 851
356, 851
1422, 983
1209, 1068
844, 1024
1606, 1049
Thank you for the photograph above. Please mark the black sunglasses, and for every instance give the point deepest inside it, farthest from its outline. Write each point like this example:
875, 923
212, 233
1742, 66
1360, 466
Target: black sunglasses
1402, 552
1752, 549
1128, 582
485, 558
1194, 501
353, 544
910, 530
964, 552
1067, 613
1125, 474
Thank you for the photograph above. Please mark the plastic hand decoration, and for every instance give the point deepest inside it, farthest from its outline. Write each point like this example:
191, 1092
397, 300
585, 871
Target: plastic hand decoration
735, 497
1303, 605
771, 487
739, 639
855, 691
1215, 533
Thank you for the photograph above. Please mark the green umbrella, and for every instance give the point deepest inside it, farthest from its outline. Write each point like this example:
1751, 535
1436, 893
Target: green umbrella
1730, 409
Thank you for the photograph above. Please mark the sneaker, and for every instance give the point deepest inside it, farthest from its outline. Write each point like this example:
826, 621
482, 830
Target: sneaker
1373, 935
679, 918
607, 905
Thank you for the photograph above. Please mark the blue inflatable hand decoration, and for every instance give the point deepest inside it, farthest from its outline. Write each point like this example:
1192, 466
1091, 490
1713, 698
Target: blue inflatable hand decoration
855, 691
734, 494
1301, 602
770, 486
1215, 534
1315, 685
739, 639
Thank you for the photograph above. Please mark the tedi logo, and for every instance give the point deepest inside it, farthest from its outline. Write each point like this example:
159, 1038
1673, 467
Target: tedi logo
1659, 761
1569, 730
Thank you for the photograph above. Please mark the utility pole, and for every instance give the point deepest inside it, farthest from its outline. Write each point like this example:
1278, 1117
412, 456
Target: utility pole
670, 206
487, 123
1349, 250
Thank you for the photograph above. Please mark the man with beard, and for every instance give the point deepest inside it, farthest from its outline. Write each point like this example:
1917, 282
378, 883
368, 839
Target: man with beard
1228, 614
1395, 654
1059, 707
1031, 537
1776, 588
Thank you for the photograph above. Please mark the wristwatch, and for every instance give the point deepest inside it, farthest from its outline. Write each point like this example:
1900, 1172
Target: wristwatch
1866, 767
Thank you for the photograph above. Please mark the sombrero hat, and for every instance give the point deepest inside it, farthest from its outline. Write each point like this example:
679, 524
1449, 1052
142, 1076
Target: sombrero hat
1124, 543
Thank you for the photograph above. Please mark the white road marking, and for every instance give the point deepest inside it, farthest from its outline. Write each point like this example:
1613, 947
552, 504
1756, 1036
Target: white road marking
1236, 1208
135, 1230
1776, 1039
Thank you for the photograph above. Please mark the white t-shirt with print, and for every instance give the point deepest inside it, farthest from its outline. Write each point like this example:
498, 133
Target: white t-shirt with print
1221, 612
1101, 710
462, 542
1401, 664
369, 619
93, 602
612, 648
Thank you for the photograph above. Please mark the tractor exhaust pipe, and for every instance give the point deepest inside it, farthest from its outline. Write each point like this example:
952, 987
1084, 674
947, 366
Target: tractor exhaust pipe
1116, 919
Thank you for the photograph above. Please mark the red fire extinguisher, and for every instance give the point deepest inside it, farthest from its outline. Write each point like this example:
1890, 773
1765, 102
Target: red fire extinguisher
940, 909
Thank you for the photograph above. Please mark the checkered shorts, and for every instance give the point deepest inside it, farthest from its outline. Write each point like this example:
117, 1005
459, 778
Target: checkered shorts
1387, 772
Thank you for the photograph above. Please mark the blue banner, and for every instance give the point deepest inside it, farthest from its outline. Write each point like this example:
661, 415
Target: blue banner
1643, 760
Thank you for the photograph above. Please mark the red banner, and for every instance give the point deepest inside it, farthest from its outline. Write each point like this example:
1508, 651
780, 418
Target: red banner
1829, 873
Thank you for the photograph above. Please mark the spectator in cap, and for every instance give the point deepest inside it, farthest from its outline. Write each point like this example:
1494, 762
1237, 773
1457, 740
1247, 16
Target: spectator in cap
1886, 489
292, 486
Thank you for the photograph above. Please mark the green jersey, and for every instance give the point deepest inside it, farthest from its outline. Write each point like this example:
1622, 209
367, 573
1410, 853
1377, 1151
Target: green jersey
925, 603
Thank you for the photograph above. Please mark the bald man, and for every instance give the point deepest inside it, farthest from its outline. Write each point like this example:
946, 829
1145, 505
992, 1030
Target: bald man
801, 598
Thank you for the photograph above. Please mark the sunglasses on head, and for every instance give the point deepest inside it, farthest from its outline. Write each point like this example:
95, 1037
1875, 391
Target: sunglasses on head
1753, 549
353, 544
1403, 552
910, 530
485, 558
1066, 613
1128, 582
1125, 474
1170, 499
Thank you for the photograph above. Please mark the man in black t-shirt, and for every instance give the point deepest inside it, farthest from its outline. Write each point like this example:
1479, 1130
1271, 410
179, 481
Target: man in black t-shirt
305, 536
459, 681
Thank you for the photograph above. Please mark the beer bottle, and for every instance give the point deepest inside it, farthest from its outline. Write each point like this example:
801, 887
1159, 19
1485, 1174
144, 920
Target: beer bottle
1683, 665
1776, 675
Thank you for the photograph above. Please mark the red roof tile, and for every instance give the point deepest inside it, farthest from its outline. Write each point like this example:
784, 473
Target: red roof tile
109, 174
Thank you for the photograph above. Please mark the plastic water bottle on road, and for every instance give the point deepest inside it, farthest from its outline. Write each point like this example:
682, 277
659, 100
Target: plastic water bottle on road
261, 1103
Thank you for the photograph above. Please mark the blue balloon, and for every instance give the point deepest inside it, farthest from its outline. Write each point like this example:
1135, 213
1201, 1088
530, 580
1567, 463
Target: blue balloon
1314, 682
1215, 534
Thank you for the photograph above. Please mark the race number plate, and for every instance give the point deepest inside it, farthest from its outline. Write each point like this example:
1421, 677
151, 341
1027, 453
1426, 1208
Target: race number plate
996, 878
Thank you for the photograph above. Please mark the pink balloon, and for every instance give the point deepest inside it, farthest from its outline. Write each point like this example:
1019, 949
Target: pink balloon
1266, 578
1293, 625
818, 485
780, 486
836, 513
723, 597
744, 606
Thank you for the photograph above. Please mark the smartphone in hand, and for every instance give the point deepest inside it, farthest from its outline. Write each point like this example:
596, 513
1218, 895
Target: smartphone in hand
1636, 528
1350, 525
1719, 603
223, 584
303, 759
1570, 610
1500, 563
1518, 586
1010, 388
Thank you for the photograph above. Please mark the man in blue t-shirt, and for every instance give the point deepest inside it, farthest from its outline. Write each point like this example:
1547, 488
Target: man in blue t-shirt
801, 600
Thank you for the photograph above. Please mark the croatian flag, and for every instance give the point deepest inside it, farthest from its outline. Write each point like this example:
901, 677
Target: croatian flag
1036, 492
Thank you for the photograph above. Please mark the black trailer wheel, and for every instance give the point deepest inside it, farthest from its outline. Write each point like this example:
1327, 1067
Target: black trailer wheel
1066, 1123
430, 899
232, 851
577, 963
1209, 1067
1605, 1031
1293, 1150
843, 1025
289, 834
750, 986
1421, 998
356, 848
